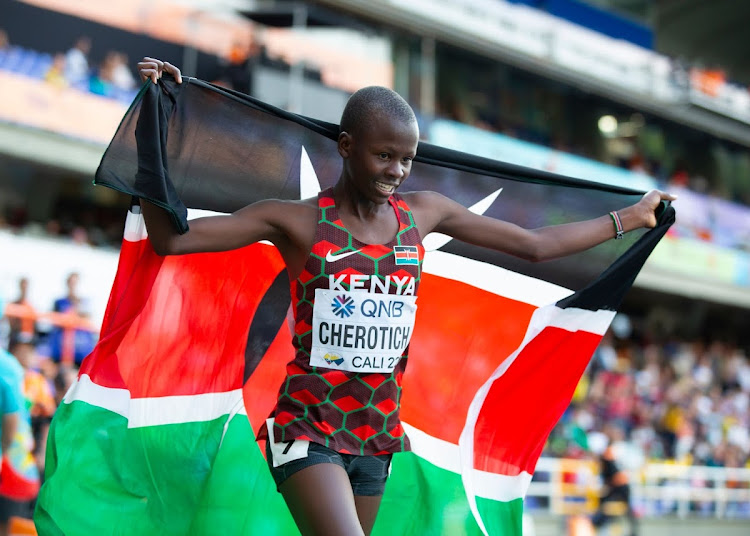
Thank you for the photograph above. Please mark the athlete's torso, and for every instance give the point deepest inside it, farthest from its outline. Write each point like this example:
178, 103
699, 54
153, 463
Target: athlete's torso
354, 307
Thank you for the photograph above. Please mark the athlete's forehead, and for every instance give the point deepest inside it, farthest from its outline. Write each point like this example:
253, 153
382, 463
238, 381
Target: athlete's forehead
389, 131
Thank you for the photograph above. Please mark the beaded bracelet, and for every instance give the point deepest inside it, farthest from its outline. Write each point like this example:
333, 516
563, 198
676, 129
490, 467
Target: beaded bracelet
619, 232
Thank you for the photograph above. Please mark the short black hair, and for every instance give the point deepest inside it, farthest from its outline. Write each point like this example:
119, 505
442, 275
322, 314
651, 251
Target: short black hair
374, 100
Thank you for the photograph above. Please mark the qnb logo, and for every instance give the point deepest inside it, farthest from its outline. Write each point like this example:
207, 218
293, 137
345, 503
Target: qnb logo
343, 306
333, 359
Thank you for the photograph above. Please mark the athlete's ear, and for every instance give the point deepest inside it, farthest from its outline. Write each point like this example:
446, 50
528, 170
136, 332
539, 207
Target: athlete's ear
345, 144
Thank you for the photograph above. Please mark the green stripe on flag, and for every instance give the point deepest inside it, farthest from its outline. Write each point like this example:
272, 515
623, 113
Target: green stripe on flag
173, 480
423, 499
501, 518
106, 479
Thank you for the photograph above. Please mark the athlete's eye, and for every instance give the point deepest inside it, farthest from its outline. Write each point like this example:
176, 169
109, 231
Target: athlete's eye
383, 156
408, 159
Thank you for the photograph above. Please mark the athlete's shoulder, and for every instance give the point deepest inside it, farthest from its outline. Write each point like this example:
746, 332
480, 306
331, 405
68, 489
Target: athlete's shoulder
424, 199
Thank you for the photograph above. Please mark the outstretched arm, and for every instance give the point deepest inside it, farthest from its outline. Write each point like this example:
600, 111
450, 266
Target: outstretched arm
259, 221
445, 216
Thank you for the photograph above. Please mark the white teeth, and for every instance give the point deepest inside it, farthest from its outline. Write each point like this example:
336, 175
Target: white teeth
387, 188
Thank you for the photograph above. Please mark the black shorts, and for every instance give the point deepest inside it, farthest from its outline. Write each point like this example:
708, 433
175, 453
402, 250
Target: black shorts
367, 474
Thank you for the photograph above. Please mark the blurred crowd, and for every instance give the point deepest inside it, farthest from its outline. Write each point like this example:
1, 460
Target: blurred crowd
40, 364
685, 401
74, 220
113, 77
682, 402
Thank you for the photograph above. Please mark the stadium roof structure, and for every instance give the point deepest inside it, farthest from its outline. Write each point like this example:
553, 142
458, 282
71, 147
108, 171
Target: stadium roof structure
391, 13
710, 32
713, 33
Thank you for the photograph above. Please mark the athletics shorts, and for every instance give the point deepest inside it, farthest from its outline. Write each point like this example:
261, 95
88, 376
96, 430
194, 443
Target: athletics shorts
367, 474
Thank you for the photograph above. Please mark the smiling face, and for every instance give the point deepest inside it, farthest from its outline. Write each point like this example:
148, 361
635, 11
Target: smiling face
378, 157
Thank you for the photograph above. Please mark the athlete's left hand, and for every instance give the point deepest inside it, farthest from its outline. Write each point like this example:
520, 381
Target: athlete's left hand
648, 205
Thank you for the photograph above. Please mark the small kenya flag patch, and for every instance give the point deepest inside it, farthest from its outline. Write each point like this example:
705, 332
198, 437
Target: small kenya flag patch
406, 254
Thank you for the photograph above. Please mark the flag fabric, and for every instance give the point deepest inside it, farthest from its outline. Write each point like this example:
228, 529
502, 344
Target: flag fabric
157, 436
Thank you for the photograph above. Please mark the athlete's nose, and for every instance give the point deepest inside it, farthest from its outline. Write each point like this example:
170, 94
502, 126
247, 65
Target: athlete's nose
395, 170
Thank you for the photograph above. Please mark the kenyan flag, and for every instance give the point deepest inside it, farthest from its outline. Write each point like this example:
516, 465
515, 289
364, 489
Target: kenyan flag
156, 436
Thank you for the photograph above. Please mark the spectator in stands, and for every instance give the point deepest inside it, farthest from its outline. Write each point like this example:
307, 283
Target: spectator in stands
9, 405
100, 82
72, 299
70, 345
23, 320
19, 478
8, 424
37, 393
63, 380
121, 76
615, 498
688, 403
55, 75
238, 73
77, 62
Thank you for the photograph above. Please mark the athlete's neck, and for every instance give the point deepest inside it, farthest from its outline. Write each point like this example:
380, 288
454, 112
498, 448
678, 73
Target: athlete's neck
351, 201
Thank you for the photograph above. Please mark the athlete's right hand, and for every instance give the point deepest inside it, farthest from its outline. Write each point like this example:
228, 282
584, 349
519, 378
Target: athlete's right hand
153, 69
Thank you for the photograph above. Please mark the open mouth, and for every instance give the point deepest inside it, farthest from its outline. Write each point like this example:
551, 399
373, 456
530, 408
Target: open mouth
385, 188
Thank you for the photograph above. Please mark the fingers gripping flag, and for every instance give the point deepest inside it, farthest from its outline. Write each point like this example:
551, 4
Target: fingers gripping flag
157, 434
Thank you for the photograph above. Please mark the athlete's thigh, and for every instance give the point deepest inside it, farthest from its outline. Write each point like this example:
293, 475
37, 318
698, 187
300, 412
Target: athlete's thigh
321, 501
367, 511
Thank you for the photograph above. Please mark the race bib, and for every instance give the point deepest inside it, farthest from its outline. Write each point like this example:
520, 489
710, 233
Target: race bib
285, 451
361, 331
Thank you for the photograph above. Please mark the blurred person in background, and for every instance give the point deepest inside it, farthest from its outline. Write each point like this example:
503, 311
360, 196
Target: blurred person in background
63, 379
69, 345
238, 73
9, 414
19, 476
77, 62
120, 73
23, 320
38, 395
113, 75
55, 75
614, 500
100, 82
4, 41
71, 300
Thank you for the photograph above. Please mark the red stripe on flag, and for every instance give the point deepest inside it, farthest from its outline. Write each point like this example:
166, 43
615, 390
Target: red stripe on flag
525, 403
459, 340
181, 327
137, 269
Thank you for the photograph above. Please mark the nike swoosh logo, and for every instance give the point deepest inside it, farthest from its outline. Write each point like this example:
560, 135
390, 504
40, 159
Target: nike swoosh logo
333, 258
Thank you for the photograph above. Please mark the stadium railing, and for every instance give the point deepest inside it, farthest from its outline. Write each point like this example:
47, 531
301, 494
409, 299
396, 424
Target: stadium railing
571, 487
69, 322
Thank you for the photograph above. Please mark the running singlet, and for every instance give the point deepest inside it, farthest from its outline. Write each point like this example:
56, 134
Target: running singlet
354, 306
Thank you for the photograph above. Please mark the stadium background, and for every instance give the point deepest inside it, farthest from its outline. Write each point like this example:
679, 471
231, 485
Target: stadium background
634, 92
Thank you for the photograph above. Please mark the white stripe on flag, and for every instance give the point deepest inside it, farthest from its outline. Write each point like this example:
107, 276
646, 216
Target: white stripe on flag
135, 226
494, 279
446, 455
156, 411
570, 319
